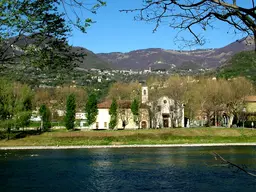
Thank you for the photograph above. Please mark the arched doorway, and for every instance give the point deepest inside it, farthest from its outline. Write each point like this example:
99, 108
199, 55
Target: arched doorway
143, 124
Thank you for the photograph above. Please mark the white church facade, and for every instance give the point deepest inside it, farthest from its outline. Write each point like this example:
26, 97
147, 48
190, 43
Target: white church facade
165, 112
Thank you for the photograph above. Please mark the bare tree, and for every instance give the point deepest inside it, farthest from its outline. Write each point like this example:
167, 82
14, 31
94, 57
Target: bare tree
190, 15
124, 116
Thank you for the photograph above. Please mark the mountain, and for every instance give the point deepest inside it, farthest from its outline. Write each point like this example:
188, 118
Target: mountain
241, 64
91, 60
157, 58
14, 46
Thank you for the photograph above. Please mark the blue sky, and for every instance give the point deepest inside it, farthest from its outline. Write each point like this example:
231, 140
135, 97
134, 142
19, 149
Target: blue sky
118, 32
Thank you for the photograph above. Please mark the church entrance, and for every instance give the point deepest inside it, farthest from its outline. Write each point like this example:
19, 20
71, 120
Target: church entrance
166, 120
166, 123
143, 124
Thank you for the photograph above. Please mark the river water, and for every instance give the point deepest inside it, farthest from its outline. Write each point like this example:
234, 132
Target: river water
127, 169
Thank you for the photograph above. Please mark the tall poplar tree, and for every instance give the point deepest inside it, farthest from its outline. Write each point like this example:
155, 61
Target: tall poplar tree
45, 114
113, 114
135, 106
70, 112
91, 109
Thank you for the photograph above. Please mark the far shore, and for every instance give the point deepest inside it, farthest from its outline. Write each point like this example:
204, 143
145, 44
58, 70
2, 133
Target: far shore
173, 137
126, 146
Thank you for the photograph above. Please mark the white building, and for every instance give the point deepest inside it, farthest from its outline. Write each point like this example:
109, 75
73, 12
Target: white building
168, 113
125, 118
162, 113
165, 112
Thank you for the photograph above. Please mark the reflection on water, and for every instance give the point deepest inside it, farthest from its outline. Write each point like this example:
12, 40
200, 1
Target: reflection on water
127, 169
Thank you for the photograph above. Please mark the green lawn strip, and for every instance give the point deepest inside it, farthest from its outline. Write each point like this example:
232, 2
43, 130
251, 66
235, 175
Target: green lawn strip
131, 137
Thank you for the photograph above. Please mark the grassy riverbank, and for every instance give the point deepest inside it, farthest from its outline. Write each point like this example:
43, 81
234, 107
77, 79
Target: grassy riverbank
130, 137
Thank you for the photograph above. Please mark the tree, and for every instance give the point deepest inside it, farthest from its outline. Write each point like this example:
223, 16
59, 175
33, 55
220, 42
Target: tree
113, 114
15, 104
124, 91
45, 114
36, 30
44, 96
62, 93
23, 108
70, 112
176, 88
239, 88
91, 109
135, 108
194, 15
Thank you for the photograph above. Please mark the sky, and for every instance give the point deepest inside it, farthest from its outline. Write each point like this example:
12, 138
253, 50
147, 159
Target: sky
116, 31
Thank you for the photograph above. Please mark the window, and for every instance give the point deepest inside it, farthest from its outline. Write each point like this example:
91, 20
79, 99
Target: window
97, 125
105, 124
144, 92
158, 108
165, 101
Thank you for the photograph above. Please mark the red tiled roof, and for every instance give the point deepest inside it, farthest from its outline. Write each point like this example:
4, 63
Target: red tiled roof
126, 104
251, 98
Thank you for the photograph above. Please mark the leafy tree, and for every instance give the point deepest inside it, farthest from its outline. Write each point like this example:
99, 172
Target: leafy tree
45, 114
91, 109
135, 107
15, 103
36, 30
196, 15
113, 114
70, 112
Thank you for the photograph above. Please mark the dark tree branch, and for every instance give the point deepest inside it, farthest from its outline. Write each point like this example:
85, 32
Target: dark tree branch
184, 15
219, 157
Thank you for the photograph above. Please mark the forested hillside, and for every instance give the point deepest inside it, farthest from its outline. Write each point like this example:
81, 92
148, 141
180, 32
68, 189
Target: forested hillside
241, 64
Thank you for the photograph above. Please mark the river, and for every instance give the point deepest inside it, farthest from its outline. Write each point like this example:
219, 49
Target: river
127, 169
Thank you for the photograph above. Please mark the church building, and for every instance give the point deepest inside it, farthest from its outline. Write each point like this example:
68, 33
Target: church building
165, 112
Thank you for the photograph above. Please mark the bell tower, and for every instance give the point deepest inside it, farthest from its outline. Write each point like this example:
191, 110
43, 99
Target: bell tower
144, 98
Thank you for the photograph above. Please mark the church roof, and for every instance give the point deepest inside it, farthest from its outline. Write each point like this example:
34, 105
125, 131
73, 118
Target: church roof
251, 98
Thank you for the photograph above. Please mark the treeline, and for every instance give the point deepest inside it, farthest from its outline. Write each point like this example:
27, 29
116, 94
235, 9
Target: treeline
206, 98
202, 97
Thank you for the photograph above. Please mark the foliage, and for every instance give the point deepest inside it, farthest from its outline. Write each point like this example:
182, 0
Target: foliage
70, 112
135, 107
15, 103
113, 114
197, 16
204, 98
125, 91
56, 97
91, 109
45, 114
35, 31
241, 64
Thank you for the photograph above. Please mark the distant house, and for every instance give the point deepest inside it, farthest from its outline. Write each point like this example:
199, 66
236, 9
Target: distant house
250, 104
80, 116
125, 117
81, 119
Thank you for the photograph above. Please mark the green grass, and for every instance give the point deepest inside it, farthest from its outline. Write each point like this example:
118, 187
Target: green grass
129, 137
